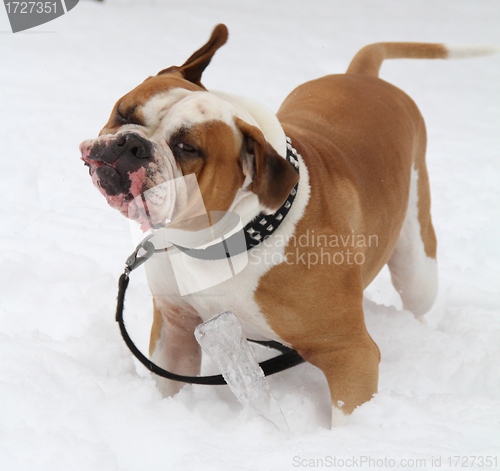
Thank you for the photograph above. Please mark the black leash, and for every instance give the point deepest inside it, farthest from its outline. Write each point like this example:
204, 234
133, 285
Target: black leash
287, 359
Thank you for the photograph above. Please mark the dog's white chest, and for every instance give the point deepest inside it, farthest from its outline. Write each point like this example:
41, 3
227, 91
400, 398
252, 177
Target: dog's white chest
214, 286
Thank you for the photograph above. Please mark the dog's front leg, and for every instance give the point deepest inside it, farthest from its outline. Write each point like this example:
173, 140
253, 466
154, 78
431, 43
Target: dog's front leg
173, 346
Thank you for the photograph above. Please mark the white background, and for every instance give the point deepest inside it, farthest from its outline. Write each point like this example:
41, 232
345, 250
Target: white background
72, 397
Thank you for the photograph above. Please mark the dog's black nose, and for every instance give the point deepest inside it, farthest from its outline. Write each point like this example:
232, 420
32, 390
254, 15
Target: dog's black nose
128, 147
111, 181
116, 161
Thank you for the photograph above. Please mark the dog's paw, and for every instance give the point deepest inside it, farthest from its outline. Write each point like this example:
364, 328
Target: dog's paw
339, 418
167, 387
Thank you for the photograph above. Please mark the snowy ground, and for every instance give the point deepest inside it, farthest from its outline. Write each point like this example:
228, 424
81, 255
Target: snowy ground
72, 397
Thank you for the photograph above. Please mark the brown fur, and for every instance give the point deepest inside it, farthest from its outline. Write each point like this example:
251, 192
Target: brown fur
218, 172
137, 97
369, 59
359, 166
273, 178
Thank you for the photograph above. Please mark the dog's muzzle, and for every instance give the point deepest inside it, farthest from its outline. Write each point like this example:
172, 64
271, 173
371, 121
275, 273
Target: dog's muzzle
113, 162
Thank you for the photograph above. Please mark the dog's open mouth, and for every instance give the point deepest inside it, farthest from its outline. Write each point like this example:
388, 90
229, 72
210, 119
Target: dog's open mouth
118, 168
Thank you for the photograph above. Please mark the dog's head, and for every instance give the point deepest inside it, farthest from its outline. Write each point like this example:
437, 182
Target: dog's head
169, 127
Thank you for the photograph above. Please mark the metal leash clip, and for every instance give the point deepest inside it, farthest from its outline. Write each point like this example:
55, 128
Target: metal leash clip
135, 260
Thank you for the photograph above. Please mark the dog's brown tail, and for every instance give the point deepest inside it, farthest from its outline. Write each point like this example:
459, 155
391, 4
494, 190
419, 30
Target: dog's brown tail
369, 59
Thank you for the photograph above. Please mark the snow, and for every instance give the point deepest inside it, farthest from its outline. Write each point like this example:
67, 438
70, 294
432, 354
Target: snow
73, 398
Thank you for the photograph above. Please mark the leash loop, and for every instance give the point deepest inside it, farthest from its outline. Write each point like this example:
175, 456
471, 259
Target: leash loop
287, 359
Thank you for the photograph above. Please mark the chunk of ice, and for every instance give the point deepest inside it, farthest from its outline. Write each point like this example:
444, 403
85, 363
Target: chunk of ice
222, 339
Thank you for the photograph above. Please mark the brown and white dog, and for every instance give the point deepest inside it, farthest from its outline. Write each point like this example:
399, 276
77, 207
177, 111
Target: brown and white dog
362, 202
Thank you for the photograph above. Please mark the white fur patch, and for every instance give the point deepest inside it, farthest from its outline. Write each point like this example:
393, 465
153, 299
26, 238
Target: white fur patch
339, 419
414, 274
265, 119
463, 52
156, 108
167, 112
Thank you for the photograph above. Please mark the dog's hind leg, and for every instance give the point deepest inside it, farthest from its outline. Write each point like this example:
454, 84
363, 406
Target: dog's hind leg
413, 264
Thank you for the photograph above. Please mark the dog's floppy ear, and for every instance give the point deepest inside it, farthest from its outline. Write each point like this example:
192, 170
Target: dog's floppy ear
273, 177
193, 68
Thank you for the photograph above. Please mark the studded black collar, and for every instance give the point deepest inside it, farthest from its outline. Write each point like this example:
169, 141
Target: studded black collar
256, 231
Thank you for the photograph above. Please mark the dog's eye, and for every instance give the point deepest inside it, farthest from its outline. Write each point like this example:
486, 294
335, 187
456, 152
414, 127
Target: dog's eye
126, 116
186, 148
